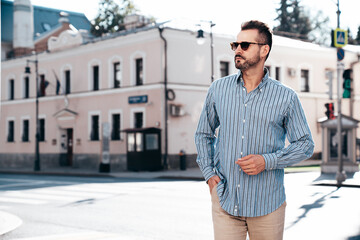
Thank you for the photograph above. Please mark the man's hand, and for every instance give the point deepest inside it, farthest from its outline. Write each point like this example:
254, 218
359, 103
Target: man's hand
252, 164
212, 182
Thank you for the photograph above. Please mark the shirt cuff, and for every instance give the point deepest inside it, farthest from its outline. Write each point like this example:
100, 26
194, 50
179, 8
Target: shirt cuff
208, 173
270, 161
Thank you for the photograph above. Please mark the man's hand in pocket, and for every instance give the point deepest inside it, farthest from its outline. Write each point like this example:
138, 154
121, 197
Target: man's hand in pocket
212, 182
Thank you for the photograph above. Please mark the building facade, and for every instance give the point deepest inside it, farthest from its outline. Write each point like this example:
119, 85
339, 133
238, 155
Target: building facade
149, 77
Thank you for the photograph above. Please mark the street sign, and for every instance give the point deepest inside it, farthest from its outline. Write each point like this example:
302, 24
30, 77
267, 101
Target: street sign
340, 54
340, 37
138, 99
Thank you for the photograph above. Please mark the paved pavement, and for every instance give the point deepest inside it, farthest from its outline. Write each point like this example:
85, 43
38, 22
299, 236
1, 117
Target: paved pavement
9, 222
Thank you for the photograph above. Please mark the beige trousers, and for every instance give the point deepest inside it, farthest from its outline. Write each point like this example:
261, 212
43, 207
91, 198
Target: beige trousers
228, 227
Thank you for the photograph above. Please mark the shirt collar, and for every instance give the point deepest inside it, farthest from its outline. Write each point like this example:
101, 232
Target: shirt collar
262, 83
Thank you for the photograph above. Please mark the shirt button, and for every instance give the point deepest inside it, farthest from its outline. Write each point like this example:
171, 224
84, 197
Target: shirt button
260, 90
245, 105
241, 153
244, 120
238, 185
242, 137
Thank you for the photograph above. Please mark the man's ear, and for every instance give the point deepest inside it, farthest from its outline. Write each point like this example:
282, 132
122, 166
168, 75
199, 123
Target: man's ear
265, 50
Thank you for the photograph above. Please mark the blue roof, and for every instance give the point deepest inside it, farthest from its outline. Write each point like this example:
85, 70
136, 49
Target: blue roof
43, 18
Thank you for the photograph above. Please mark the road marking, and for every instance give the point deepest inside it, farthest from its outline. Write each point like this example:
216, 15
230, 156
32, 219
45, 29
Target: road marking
77, 236
19, 200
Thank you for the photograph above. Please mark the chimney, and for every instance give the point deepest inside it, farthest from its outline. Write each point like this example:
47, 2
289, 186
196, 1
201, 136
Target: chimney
23, 32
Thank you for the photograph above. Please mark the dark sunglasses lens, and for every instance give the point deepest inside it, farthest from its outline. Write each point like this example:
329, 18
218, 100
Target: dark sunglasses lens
244, 45
234, 45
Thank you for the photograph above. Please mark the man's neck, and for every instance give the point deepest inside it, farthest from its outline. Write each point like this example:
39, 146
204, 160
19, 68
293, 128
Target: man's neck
252, 77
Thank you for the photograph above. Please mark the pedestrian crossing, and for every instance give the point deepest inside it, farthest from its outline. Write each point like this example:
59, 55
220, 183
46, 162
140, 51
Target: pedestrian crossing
67, 193
78, 236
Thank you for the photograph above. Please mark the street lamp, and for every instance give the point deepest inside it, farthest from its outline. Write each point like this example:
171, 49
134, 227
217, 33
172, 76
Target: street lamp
201, 40
37, 134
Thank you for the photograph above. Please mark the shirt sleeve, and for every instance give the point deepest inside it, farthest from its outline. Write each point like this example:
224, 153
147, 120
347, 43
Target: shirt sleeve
298, 133
205, 136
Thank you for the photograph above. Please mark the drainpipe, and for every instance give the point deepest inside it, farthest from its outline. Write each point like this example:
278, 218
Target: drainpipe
161, 29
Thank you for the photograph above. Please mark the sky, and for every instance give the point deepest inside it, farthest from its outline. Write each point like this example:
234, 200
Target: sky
226, 14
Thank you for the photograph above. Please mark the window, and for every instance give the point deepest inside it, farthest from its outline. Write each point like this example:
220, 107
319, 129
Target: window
95, 78
277, 73
11, 89
139, 71
42, 130
95, 130
43, 85
138, 120
115, 133
117, 74
26, 87
152, 141
67, 82
224, 68
25, 134
304, 81
11, 130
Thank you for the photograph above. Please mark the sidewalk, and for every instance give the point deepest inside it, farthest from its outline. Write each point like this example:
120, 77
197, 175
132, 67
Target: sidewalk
189, 173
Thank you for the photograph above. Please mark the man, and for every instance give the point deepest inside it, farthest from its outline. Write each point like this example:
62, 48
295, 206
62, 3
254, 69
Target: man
244, 164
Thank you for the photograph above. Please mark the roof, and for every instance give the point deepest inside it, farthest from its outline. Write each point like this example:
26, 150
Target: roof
347, 122
43, 18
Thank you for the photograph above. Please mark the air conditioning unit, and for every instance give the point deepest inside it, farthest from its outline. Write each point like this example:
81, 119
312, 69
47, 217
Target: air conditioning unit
292, 72
176, 110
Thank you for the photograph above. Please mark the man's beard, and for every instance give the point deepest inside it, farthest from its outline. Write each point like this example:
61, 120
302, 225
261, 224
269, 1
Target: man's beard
247, 62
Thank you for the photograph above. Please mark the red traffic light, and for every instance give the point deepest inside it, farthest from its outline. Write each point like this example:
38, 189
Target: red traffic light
330, 110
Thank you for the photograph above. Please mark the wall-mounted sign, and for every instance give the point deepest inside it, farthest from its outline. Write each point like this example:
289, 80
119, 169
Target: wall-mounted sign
138, 99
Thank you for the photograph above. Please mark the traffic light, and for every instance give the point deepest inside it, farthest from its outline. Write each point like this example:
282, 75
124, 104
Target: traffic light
330, 110
329, 82
347, 77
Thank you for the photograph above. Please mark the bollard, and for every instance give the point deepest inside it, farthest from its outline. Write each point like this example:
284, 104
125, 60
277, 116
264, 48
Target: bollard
182, 160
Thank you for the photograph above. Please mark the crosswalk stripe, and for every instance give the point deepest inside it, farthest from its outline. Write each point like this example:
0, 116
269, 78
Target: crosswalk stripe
76, 236
28, 195
66, 192
19, 200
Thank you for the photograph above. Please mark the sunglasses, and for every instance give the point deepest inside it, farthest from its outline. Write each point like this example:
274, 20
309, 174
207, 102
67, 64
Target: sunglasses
244, 45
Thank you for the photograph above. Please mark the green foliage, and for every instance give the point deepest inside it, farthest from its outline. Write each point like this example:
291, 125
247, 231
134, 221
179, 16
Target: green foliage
111, 16
295, 22
354, 41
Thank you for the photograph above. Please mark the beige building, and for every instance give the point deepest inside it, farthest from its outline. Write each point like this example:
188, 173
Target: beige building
121, 80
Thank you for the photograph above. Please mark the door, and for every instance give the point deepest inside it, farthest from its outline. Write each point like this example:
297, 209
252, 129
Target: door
69, 147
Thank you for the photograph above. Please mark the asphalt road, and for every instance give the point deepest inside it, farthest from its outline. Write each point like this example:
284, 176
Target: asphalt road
54, 208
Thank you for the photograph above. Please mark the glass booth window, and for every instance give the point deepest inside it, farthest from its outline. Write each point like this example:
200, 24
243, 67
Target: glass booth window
139, 143
152, 141
131, 142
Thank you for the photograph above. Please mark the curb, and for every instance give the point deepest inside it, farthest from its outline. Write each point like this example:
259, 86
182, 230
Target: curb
8, 222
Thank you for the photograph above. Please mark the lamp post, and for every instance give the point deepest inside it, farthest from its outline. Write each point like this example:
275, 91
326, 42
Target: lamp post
37, 134
201, 37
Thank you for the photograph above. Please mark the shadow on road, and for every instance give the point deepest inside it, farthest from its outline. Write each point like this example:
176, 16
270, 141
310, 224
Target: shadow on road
308, 207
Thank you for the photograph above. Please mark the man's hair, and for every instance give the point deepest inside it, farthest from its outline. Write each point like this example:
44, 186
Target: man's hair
264, 31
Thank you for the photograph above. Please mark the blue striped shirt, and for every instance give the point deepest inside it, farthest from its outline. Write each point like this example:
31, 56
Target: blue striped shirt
251, 123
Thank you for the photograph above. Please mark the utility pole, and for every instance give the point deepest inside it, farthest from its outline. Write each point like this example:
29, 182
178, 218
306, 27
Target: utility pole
340, 175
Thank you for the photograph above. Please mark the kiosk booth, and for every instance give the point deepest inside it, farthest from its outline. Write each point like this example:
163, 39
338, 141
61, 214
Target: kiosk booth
143, 149
330, 144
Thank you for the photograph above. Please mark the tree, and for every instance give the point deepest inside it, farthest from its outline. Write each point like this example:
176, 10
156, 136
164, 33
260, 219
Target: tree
295, 22
111, 16
357, 39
